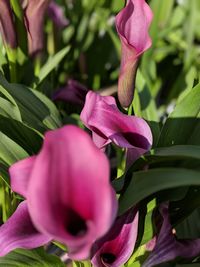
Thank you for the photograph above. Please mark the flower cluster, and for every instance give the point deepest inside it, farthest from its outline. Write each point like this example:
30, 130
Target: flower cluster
67, 190
33, 14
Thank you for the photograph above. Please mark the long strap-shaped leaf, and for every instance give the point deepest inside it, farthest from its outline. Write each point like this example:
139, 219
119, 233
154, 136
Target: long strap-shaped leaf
146, 183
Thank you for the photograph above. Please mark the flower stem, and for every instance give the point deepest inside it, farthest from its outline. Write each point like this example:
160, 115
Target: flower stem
12, 58
19, 22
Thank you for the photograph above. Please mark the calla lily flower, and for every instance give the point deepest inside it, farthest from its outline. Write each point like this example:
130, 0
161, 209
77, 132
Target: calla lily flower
6, 24
34, 20
132, 25
167, 247
64, 190
56, 13
101, 115
116, 247
19, 232
74, 92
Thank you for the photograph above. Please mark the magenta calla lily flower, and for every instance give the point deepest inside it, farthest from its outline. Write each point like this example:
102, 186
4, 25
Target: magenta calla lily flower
116, 247
34, 20
64, 186
19, 232
132, 25
56, 13
101, 115
74, 92
166, 247
7, 28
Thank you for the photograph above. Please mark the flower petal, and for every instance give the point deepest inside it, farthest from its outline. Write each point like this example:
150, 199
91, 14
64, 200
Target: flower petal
71, 177
34, 18
20, 174
116, 247
56, 13
74, 92
168, 247
101, 115
132, 25
19, 232
6, 24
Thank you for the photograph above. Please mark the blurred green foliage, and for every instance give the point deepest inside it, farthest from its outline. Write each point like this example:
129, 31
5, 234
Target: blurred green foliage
171, 66
167, 96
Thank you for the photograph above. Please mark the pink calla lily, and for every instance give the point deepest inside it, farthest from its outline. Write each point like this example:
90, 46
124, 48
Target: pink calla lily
34, 20
132, 25
116, 247
101, 115
64, 186
7, 27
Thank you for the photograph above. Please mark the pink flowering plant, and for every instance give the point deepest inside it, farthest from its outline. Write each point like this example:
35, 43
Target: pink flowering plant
99, 133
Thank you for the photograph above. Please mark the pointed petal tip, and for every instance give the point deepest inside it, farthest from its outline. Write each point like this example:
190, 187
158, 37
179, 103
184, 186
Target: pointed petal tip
19, 232
20, 174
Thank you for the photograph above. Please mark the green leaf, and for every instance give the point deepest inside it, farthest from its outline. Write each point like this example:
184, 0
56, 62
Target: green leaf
36, 109
148, 227
117, 6
189, 229
167, 155
10, 152
52, 63
181, 209
53, 120
4, 173
174, 152
162, 14
189, 80
183, 124
14, 110
137, 257
147, 102
162, 11
9, 110
27, 258
190, 35
144, 105
82, 264
146, 183
133, 264
186, 265
26, 137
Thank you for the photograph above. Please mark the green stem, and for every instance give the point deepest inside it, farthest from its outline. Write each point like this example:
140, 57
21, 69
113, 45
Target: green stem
12, 58
51, 46
61, 246
19, 22
121, 162
5, 201
13, 72
81, 264
130, 109
87, 264
17, 9
37, 65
